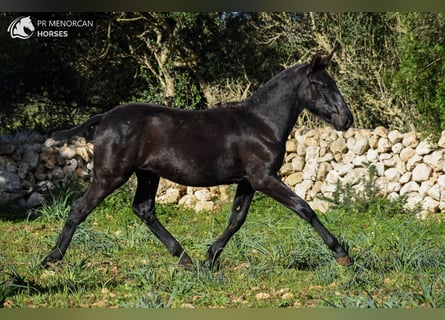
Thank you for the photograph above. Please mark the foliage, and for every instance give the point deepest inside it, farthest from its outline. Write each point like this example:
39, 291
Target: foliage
420, 76
389, 66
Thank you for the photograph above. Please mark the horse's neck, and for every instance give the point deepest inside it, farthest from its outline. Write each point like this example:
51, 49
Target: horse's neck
276, 102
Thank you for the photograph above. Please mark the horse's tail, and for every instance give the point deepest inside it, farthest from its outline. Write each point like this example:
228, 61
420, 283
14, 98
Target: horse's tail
81, 128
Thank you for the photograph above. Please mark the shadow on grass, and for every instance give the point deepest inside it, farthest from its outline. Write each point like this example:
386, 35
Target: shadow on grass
17, 284
12, 211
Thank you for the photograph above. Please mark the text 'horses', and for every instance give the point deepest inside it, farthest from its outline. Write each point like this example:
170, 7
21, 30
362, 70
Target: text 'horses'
242, 143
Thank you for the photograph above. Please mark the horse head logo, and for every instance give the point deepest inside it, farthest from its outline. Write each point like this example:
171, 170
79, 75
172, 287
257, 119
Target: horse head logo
21, 28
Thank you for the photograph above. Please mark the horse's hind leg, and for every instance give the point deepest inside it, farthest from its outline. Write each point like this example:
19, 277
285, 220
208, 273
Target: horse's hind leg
144, 207
80, 209
240, 207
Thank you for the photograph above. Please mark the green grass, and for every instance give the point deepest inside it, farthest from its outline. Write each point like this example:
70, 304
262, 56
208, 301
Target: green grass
275, 260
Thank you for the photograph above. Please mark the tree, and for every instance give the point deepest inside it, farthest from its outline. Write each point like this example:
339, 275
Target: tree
419, 80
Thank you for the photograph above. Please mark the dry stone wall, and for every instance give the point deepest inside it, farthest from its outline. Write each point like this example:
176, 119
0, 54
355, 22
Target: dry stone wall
315, 161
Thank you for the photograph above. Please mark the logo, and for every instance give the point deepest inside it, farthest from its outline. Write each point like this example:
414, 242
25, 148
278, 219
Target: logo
21, 28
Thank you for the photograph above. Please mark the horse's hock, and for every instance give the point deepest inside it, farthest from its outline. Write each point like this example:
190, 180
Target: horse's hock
315, 161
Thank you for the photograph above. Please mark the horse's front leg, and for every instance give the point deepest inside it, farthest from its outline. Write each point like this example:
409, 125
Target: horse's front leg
275, 188
241, 204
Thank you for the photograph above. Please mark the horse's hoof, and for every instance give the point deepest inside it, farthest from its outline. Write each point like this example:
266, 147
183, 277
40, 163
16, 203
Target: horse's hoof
185, 260
344, 261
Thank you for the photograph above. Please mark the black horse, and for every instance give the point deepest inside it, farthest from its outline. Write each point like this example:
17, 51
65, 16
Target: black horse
242, 143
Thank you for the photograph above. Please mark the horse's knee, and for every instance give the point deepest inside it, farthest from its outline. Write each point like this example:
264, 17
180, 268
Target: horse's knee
77, 213
145, 211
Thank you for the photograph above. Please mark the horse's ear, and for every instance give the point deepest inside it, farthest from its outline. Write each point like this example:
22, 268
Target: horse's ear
320, 63
315, 62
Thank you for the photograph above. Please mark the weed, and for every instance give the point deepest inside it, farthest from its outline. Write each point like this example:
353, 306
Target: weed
57, 206
366, 197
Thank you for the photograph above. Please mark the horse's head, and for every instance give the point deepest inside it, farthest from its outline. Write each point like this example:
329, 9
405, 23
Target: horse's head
27, 23
320, 94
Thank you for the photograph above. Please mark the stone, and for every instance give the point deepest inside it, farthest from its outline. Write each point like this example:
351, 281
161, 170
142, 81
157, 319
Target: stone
82, 152
48, 159
385, 157
423, 148
187, 201
328, 156
355, 175
312, 153
290, 156
338, 146
44, 186
57, 173
30, 156
35, 200
372, 155
294, 178
203, 195
397, 148
286, 169
171, 196
40, 172
382, 184
22, 169
360, 161
424, 187
383, 145
342, 169
434, 159
434, 192
413, 200
381, 132
9, 182
412, 162
395, 137
430, 204
319, 205
302, 188
330, 184
204, 206
316, 189
407, 153
291, 146
66, 152
360, 146
379, 168
310, 171
297, 164
410, 140
6, 149
301, 148
409, 187
422, 172
393, 174
10, 165
395, 162
406, 177
441, 181
323, 170
373, 141
393, 187
50, 142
